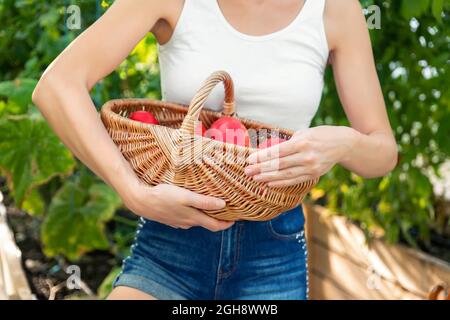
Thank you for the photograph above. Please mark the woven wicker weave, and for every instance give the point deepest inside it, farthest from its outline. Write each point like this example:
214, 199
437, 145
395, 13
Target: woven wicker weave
171, 153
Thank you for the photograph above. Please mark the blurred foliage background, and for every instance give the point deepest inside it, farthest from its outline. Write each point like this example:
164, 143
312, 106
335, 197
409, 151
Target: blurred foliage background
77, 213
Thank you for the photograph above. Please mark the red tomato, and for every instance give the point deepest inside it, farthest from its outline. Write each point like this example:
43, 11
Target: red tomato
270, 142
230, 130
143, 116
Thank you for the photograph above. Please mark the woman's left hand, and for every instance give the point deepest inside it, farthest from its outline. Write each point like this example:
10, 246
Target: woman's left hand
309, 154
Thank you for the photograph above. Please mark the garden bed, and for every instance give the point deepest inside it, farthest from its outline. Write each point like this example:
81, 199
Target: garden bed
344, 266
46, 276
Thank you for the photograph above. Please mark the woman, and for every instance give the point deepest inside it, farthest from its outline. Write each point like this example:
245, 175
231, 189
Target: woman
276, 52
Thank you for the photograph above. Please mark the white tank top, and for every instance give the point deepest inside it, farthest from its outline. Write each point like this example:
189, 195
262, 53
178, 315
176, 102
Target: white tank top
278, 77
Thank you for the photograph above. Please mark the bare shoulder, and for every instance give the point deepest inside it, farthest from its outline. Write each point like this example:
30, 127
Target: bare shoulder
171, 12
162, 9
342, 19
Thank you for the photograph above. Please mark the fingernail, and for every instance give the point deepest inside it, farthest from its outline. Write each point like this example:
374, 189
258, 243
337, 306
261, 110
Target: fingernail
220, 203
257, 178
251, 159
249, 171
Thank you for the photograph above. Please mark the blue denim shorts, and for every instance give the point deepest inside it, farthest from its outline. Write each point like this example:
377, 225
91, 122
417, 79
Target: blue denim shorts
249, 261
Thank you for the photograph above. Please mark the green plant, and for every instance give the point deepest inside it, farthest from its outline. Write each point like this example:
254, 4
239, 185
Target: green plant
76, 217
107, 284
31, 154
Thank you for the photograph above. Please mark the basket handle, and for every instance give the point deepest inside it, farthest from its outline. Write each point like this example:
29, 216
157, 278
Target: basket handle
197, 103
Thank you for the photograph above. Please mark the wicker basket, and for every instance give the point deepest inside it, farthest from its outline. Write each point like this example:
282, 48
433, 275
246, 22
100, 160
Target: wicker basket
171, 153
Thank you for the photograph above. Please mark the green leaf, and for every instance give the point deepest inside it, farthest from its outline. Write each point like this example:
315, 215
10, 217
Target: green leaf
392, 233
3, 108
76, 218
30, 154
107, 284
384, 184
18, 93
34, 204
437, 8
414, 8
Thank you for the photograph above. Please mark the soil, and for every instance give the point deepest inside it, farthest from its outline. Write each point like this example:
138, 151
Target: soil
43, 273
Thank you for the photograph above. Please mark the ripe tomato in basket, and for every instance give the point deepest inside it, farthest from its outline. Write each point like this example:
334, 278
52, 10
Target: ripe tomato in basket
143, 116
229, 130
271, 142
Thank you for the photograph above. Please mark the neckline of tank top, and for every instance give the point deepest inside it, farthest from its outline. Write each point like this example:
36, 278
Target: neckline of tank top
300, 15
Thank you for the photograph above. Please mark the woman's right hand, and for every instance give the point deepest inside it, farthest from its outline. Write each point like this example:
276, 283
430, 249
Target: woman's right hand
174, 206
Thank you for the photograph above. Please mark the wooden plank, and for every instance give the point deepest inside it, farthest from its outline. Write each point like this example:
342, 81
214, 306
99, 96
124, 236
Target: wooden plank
325, 289
334, 232
13, 283
339, 235
398, 264
353, 279
3, 295
438, 273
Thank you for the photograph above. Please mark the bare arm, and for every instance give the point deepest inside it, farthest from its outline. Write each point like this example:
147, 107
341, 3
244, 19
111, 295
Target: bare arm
374, 151
62, 96
368, 148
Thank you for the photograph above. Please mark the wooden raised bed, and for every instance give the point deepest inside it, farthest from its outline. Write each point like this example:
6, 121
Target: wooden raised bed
343, 266
13, 283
